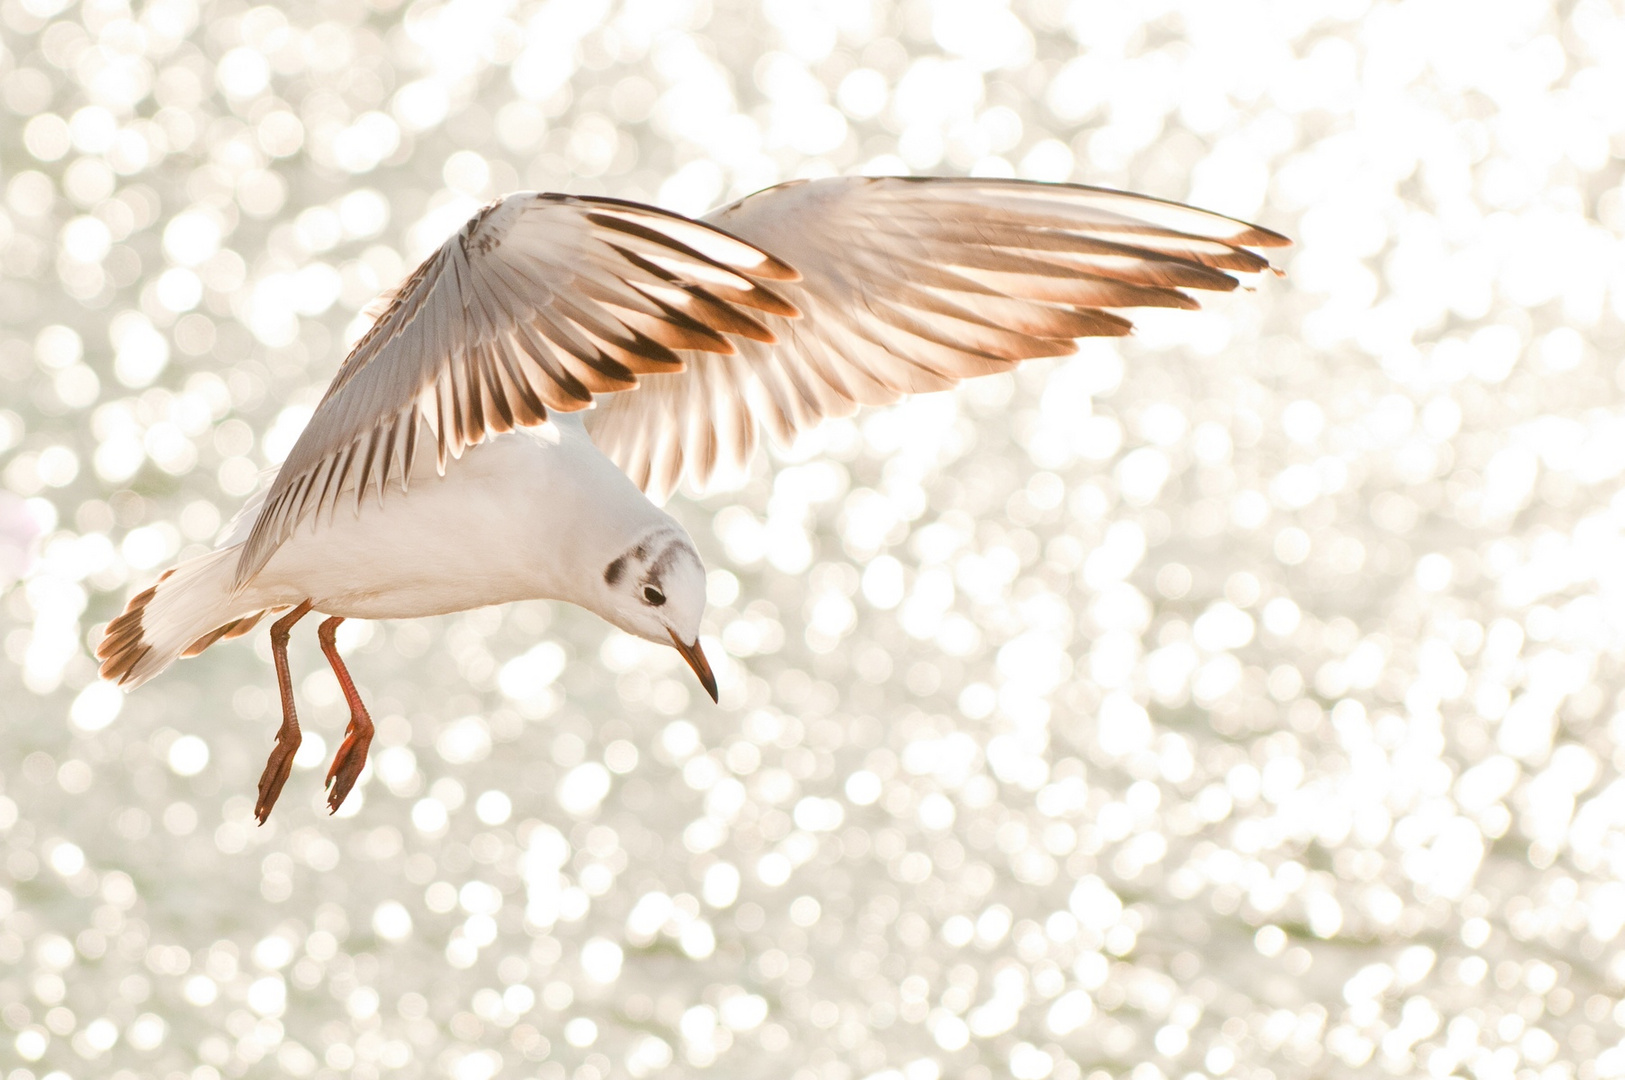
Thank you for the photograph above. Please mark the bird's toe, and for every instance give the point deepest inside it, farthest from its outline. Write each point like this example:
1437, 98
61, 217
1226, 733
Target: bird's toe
277, 769
347, 765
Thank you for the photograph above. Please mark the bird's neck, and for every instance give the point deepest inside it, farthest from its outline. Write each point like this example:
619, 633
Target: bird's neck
584, 512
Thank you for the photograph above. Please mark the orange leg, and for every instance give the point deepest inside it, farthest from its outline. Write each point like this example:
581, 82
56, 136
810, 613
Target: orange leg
352, 755
287, 736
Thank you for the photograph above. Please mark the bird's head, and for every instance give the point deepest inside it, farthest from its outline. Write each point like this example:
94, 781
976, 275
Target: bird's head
656, 591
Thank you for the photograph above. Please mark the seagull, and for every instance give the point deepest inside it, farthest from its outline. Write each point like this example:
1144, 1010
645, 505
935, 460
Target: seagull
572, 360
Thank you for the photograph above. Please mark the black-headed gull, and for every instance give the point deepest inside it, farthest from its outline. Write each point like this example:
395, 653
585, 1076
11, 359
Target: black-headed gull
797, 303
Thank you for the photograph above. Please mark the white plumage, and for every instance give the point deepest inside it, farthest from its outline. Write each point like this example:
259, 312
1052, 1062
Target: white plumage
684, 339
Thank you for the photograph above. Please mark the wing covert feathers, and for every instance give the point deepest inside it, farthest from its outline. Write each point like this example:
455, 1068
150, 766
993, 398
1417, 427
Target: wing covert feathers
539, 303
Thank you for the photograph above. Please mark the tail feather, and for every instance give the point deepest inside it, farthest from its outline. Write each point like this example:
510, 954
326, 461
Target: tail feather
236, 628
187, 610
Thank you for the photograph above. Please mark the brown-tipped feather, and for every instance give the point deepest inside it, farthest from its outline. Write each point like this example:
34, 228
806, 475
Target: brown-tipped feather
244, 625
235, 628
121, 647
725, 319
911, 285
118, 669
771, 267
681, 330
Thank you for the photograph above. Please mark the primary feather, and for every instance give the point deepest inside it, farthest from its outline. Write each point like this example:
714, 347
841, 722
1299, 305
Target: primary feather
911, 285
793, 305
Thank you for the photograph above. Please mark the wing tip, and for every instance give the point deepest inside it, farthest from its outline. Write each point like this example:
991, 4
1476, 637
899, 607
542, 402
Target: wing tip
772, 267
1260, 237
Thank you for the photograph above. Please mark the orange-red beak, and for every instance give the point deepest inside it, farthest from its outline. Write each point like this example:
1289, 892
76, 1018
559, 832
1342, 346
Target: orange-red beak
696, 660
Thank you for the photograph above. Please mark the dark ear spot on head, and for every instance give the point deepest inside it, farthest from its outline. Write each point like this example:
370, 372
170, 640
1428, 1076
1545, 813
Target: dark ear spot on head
613, 572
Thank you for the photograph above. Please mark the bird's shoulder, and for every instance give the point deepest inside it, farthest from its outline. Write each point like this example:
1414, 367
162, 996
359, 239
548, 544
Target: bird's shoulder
485, 231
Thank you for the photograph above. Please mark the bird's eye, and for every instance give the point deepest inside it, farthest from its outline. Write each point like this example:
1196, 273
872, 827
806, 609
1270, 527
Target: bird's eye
653, 596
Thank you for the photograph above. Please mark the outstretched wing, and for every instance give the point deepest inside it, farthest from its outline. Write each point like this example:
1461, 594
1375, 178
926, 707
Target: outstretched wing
910, 285
539, 302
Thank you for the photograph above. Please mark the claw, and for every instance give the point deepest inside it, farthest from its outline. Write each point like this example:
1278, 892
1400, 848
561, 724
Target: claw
277, 769
347, 766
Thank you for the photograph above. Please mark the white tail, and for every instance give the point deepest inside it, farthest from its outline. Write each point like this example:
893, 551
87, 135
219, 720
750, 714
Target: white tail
190, 608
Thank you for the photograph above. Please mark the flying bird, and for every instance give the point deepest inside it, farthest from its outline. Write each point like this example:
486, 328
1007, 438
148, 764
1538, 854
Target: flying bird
571, 360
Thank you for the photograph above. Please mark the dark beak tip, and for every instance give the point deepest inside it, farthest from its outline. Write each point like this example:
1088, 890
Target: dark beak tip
695, 656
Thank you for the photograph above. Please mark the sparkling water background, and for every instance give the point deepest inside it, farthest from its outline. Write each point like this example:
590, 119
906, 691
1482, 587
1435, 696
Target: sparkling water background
1235, 700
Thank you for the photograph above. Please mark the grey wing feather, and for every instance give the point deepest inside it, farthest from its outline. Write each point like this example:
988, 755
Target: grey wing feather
537, 304
908, 286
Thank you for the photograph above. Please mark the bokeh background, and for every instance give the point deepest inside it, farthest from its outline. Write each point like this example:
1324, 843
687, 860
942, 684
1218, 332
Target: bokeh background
1236, 700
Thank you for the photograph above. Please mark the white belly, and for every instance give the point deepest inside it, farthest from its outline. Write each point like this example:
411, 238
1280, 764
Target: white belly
443, 547
521, 516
